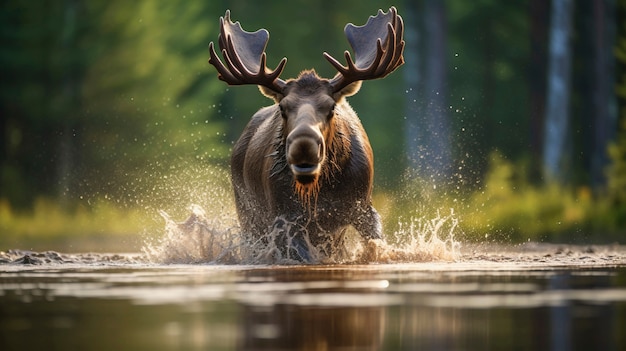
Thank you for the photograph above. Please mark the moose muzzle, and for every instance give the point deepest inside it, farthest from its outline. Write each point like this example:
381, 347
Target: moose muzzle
305, 152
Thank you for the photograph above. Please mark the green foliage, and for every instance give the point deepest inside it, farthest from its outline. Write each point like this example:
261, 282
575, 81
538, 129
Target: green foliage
510, 207
616, 179
120, 94
100, 226
506, 208
616, 172
163, 104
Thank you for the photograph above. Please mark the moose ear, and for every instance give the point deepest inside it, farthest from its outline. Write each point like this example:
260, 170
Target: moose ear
271, 94
349, 90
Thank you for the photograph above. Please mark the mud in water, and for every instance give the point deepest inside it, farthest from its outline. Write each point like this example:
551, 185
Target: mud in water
51, 258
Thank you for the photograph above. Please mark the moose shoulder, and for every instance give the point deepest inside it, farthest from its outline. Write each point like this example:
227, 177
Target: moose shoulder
303, 167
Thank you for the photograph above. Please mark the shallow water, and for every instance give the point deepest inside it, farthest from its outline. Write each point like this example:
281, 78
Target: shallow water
527, 297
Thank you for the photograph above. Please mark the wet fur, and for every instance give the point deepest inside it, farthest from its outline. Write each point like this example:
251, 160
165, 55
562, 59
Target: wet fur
265, 188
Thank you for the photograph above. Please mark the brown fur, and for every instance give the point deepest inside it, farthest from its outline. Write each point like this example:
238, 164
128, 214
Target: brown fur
265, 185
307, 193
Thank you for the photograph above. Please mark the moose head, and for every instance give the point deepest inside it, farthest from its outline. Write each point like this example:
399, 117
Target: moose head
310, 145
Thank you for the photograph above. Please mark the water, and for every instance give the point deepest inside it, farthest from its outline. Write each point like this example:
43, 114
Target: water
199, 287
527, 297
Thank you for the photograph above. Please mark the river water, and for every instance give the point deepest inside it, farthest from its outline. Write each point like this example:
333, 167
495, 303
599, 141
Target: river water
524, 297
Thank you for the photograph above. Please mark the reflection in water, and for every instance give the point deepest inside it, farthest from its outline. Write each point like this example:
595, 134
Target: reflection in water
325, 310
433, 306
312, 328
560, 318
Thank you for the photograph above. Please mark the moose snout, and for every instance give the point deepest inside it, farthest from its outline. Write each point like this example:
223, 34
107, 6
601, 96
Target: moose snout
305, 152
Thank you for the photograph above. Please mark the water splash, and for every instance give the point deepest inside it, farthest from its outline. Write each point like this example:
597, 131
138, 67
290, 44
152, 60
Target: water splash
199, 239
422, 239
205, 239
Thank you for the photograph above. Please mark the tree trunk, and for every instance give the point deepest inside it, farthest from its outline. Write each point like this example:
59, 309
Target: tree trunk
604, 101
558, 100
428, 130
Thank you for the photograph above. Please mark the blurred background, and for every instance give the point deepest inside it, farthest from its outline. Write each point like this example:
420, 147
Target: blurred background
507, 114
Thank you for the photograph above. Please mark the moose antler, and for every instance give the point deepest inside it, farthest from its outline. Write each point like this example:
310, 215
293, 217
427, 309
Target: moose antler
244, 54
377, 46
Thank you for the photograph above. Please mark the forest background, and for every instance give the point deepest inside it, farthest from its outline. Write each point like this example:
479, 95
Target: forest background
508, 115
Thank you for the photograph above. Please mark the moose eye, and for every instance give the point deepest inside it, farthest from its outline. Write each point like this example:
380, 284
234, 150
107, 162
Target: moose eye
331, 113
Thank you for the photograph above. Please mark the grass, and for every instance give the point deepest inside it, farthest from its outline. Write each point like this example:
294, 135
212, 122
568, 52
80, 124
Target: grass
49, 226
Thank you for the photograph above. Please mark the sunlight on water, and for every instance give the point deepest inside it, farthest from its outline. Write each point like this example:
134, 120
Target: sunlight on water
206, 238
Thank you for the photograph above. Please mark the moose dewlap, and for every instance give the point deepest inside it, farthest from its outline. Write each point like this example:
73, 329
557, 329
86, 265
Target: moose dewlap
303, 167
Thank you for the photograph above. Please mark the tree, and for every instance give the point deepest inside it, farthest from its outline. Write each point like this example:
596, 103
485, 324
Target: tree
616, 170
604, 118
558, 100
539, 11
40, 69
427, 135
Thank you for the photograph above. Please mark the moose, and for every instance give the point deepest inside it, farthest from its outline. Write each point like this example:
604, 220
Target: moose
303, 167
